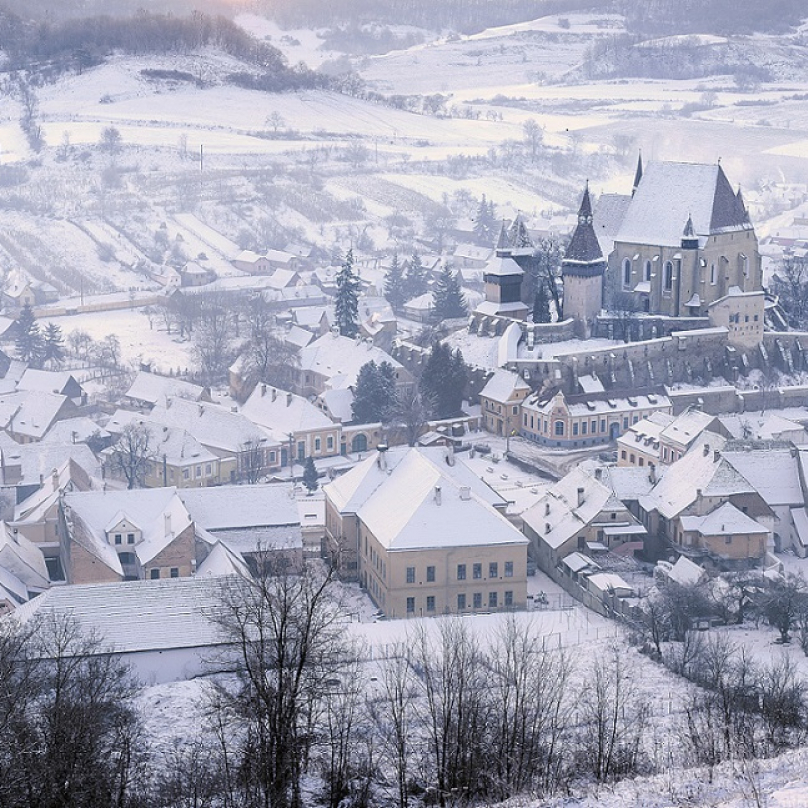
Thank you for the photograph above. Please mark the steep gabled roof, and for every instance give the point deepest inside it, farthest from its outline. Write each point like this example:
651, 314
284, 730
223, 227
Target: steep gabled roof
671, 192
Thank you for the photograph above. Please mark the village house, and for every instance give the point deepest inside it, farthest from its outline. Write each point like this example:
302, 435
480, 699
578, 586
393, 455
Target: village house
423, 537
333, 361
585, 420
126, 535
27, 416
294, 423
148, 389
579, 513
500, 402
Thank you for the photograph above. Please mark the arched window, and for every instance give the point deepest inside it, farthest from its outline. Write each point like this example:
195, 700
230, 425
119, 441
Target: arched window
559, 428
668, 276
626, 273
647, 272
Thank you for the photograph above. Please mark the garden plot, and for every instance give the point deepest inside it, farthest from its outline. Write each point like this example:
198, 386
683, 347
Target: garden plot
139, 342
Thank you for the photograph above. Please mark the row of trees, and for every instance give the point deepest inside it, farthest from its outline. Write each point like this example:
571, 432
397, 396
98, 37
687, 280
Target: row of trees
35, 347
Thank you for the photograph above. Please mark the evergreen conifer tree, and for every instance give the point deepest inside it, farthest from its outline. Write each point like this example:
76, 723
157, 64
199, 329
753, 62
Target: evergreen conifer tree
443, 380
310, 475
54, 347
448, 301
374, 394
394, 286
541, 304
346, 303
415, 282
30, 343
485, 223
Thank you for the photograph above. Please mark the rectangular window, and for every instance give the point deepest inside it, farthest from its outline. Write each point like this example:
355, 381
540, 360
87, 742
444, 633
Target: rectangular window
594, 427
329, 442
583, 427
175, 572
461, 602
199, 471
478, 600
185, 474
410, 575
317, 445
430, 575
493, 570
477, 571
208, 469
410, 605
509, 569
461, 572
118, 538
154, 574
575, 428
130, 538
430, 603
727, 539
492, 600
509, 598
272, 457
602, 425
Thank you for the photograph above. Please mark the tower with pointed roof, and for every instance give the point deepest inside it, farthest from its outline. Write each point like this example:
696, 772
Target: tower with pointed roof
582, 270
503, 278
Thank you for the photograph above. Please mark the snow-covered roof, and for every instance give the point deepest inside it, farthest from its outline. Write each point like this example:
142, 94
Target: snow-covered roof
45, 381
339, 404
151, 388
22, 558
725, 520
686, 427
773, 472
503, 266
591, 384
212, 425
610, 210
138, 615
472, 252
669, 193
608, 582
68, 476
310, 316
30, 413
557, 516
74, 430
350, 491
298, 337
419, 506
761, 426
35, 459
333, 354
159, 512
502, 385
578, 562
685, 572
489, 307
221, 561
282, 413
701, 469
230, 507
800, 519
594, 406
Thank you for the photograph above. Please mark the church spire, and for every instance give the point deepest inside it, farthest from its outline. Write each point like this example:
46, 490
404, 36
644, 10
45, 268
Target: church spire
503, 245
637, 174
584, 247
585, 211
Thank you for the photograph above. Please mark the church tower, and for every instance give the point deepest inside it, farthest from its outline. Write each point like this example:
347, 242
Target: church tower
503, 282
582, 271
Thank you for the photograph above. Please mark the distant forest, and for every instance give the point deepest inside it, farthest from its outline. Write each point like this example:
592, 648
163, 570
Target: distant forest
724, 17
463, 16
48, 48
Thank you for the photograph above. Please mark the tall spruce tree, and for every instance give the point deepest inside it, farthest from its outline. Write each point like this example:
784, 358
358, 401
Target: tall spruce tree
346, 303
30, 344
444, 380
541, 304
374, 394
448, 301
310, 475
416, 282
485, 223
394, 286
54, 346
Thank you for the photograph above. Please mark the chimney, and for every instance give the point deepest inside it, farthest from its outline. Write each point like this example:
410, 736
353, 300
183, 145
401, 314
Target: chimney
450, 458
288, 399
580, 497
201, 410
652, 472
547, 527
167, 522
598, 474
546, 508
381, 458
437, 495
706, 449
274, 393
41, 480
168, 402
264, 391
716, 456
55, 479
465, 493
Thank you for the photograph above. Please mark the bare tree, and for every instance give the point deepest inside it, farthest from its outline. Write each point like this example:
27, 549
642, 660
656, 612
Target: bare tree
130, 456
410, 413
612, 718
285, 631
213, 340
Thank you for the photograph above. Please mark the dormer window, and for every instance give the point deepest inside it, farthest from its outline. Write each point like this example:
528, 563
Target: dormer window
118, 538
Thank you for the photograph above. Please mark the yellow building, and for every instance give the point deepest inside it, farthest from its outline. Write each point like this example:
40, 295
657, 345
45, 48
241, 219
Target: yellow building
425, 536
